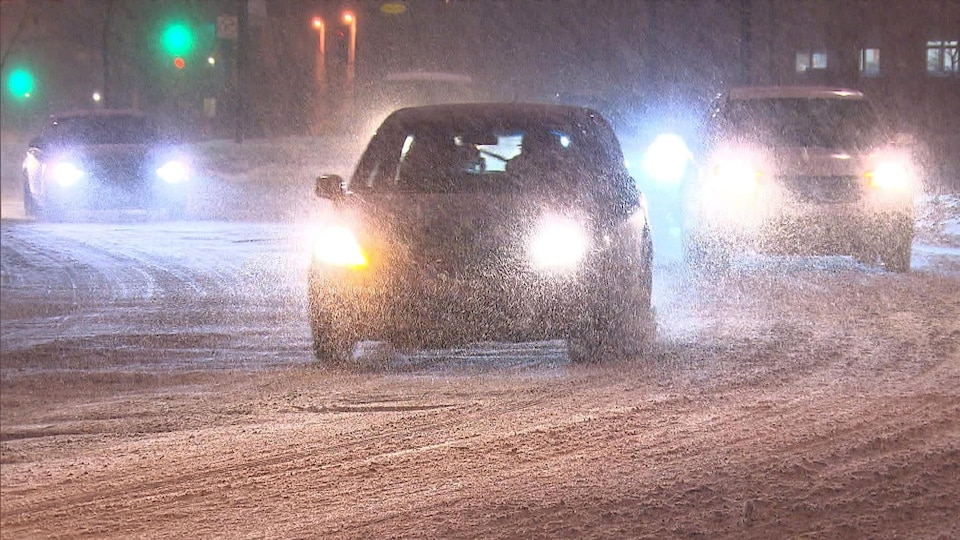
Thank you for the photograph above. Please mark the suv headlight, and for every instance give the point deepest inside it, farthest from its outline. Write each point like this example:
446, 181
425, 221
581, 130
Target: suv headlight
338, 246
66, 173
558, 243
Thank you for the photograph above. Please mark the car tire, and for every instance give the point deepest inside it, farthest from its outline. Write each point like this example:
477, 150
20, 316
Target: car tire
30, 208
331, 346
896, 246
620, 323
176, 211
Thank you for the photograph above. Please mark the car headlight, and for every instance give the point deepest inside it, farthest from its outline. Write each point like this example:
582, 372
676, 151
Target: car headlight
558, 243
890, 176
173, 172
337, 246
667, 158
737, 176
66, 173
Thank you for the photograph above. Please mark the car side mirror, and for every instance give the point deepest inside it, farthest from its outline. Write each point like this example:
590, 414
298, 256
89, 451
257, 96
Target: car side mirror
330, 186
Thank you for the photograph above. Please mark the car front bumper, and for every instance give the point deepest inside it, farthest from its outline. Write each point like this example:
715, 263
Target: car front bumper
807, 229
440, 308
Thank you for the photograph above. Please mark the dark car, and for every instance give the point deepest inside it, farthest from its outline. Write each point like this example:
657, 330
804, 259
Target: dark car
802, 170
103, 159
485, 222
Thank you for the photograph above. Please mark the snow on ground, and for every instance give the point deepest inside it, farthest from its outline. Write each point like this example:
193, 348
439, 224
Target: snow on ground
789, 398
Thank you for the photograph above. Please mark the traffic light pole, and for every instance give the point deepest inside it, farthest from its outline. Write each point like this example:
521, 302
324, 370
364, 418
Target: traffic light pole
240, 114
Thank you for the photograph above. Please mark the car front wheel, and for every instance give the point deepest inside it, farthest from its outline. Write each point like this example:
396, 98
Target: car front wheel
896, 246
331, 345
619, 323
30, 207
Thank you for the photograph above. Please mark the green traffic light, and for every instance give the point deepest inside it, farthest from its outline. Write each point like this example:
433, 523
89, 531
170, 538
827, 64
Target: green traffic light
177, 39
20, 83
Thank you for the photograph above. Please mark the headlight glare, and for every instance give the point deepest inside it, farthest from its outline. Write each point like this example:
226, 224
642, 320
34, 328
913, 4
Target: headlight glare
337, 246
736, 175
890, 176
66, 173
667, 158
173, 172
558, 243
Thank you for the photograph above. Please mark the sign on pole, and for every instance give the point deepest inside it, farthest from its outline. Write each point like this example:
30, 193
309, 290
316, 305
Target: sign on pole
227, 27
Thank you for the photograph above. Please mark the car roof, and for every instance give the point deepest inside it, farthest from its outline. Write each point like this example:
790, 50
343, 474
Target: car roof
794, 92
429, 76
492, 111
96, 113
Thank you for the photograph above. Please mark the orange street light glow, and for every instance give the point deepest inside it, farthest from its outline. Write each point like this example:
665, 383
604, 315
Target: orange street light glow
348, 18
317, 23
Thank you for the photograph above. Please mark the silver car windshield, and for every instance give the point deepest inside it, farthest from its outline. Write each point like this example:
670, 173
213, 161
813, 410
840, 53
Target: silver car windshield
824, 123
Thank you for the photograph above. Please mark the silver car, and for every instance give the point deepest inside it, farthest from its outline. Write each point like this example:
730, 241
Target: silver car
800, 170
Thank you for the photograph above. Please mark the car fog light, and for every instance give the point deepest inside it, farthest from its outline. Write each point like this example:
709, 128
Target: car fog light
337, 246
66, 174
173, 172
558, 243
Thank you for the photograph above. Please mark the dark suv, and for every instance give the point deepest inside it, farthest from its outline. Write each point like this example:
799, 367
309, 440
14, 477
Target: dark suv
801, 170
484, 222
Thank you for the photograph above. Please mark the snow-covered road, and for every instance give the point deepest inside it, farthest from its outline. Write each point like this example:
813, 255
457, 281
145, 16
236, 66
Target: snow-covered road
218, 294
156, 380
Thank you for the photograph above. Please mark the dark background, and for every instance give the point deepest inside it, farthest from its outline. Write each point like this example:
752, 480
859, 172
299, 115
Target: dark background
653, 61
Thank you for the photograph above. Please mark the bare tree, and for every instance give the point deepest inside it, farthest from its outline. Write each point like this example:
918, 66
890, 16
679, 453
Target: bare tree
14, 40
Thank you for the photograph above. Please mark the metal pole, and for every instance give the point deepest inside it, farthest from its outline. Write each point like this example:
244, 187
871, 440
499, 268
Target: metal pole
241, 54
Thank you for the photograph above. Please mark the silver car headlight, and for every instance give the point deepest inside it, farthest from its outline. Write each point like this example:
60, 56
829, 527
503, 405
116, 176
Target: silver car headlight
890, 176
558, 243
174, 172
66, 173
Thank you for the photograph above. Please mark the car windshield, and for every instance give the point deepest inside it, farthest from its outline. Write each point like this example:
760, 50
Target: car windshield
118, 129
484, 155
826, 123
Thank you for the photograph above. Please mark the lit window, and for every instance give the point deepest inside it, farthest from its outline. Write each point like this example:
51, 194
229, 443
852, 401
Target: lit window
942, 58
819, 60
869, 62
807, 60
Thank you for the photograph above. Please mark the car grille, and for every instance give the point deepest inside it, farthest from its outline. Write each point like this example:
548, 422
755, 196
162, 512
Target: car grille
825, 189
119, 171
477, 256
